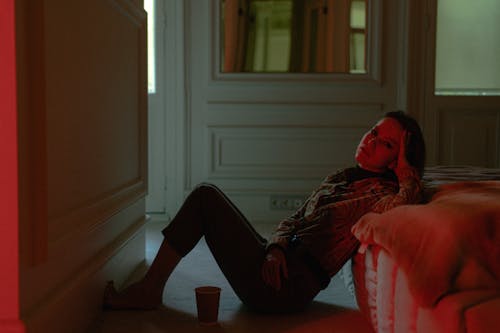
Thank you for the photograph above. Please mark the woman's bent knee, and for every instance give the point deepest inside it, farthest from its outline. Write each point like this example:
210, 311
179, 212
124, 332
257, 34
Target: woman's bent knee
207, 188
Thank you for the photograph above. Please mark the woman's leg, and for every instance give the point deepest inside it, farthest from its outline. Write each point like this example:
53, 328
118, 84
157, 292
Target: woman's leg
201, 208
145, 294
239, 251
237, 247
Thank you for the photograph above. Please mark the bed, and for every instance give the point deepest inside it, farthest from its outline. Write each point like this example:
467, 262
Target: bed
443, 273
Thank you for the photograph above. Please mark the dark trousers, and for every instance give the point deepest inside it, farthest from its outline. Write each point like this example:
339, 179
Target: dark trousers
239, 251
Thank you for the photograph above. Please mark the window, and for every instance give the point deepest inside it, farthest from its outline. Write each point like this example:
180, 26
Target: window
357, 48
467, 48
313, 36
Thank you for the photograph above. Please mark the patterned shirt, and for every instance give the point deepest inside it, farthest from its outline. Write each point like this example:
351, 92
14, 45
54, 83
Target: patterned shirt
323, 224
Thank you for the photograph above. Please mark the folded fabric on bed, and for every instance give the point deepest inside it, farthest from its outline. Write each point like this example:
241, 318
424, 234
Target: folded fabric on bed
450, 244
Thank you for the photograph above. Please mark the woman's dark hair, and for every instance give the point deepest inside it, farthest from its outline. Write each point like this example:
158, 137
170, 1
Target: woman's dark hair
415, 149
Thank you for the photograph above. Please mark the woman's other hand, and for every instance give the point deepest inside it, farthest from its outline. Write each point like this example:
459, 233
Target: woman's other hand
274, 267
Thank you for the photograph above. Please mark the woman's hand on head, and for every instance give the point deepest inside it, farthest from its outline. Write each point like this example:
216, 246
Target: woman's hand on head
402, 166
274, 267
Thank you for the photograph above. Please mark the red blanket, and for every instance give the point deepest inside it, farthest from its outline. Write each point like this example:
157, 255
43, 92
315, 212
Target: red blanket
450, 244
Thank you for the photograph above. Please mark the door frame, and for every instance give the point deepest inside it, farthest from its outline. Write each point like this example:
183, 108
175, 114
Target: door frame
167, 137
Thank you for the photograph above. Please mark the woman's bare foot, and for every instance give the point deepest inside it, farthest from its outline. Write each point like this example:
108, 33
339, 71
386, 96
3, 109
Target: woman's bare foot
135, 297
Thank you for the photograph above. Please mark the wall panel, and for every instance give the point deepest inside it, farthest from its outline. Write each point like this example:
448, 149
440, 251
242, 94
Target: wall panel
83, 153
276, 152
469, 137
95, 110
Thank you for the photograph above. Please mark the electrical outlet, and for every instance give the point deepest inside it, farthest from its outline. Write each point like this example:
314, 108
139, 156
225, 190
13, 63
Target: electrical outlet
286, 202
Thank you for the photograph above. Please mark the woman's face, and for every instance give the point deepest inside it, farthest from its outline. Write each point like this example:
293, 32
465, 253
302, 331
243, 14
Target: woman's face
379, 147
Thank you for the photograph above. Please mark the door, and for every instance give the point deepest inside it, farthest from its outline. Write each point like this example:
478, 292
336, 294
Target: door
462, 83
82, 131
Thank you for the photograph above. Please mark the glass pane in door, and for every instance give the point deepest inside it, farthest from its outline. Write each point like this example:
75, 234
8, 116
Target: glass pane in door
468, 47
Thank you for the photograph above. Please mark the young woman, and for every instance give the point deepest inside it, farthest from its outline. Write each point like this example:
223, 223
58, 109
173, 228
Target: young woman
285, 273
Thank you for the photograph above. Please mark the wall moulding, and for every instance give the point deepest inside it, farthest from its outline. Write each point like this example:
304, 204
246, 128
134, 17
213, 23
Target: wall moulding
83, 272
299, 114
96, 212
91, 177
277, 153
468, 136
251, 140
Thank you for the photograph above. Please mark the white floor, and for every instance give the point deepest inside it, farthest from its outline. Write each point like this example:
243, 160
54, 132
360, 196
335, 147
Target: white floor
334, 309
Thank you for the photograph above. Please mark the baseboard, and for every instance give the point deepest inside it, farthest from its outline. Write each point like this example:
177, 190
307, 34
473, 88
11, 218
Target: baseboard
159, 217
77, 304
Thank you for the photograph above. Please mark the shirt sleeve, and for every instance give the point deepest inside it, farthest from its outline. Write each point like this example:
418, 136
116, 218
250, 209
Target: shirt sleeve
287, 228
410, 192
